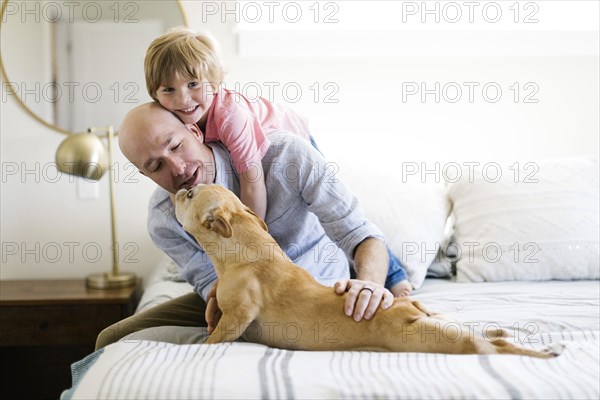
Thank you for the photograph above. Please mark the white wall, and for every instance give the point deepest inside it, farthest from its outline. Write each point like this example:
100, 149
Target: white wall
369, 124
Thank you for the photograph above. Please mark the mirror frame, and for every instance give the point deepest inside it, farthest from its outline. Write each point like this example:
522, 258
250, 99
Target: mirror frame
10, 87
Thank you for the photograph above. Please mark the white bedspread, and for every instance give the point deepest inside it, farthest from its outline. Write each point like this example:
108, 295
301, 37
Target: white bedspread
538, 314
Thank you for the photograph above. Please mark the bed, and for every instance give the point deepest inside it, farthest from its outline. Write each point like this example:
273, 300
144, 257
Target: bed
539, 282
536, 313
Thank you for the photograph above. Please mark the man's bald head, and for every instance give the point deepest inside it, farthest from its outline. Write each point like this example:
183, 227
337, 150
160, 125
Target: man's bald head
137, 123
162, 147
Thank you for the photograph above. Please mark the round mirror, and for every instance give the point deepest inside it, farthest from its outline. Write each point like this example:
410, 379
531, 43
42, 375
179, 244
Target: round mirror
77, 64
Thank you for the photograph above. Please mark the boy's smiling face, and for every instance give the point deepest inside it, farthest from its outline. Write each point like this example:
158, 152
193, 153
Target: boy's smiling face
187, 98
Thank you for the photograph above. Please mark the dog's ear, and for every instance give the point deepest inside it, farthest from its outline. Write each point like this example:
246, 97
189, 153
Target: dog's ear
217, 223
258, 219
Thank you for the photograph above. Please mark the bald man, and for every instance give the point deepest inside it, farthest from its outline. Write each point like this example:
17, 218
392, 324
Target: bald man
313, 217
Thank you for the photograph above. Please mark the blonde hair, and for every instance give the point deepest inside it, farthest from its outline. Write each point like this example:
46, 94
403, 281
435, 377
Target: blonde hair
184, 52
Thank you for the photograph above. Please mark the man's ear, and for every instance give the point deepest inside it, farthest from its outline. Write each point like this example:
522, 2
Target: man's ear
217, 223
196, 131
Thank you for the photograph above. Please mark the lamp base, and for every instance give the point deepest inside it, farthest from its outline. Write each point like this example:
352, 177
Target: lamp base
110, 281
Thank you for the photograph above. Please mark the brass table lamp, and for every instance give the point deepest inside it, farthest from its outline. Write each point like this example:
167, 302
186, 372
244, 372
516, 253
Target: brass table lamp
84, 155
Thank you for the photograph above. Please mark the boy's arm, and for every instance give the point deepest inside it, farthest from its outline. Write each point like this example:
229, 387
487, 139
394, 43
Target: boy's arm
253, 191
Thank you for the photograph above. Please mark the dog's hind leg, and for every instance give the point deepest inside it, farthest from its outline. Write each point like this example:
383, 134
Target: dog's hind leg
497, 333
502, 346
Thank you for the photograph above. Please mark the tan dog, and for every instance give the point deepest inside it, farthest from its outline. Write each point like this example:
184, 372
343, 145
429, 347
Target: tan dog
270, 300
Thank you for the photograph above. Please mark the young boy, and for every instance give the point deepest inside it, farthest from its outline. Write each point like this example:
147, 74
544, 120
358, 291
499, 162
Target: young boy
184, 74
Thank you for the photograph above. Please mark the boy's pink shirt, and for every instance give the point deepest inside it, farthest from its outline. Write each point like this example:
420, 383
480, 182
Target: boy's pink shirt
242, 125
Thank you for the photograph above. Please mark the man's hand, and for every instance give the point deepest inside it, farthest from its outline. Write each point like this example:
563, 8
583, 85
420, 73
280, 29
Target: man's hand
212, 313
365, 295
364, 298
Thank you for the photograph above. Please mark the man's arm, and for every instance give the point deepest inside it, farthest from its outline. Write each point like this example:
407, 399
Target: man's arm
371, 261
340, 216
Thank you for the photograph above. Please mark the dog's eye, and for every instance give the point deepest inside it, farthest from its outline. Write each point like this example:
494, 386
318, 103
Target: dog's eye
190, 194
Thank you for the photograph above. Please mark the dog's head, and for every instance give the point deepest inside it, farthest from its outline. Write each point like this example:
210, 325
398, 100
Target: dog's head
207, 210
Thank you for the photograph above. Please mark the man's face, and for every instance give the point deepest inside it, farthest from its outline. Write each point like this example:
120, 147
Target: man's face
170, 153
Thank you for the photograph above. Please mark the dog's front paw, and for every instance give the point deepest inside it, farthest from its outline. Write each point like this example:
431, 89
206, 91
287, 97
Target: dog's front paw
213, 339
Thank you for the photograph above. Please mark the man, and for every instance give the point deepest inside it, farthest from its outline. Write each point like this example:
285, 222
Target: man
311, 215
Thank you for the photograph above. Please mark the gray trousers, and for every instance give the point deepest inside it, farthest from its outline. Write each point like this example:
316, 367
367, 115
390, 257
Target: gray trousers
187, 310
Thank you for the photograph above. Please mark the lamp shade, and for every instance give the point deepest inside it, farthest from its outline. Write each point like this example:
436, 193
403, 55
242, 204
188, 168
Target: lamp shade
83, 155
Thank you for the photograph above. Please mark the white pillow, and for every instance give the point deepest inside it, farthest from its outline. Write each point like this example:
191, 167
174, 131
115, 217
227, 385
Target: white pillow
412, 215
537, 221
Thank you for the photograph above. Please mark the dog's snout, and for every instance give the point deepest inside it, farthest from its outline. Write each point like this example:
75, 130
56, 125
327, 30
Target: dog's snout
192, 191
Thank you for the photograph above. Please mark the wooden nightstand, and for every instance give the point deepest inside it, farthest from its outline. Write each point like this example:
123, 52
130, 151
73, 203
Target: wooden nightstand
45, 326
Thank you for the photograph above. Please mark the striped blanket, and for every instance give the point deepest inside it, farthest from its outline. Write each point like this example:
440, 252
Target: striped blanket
568, 314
